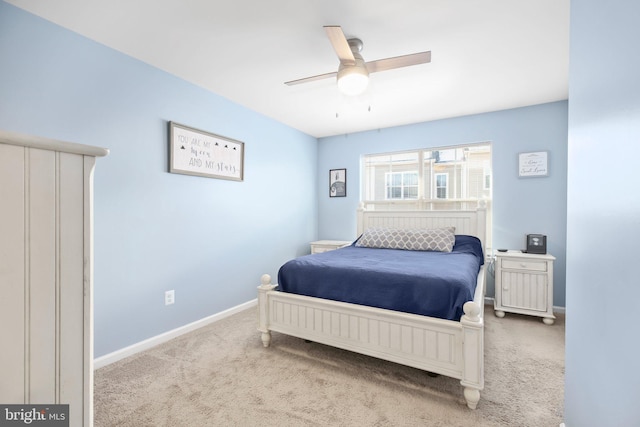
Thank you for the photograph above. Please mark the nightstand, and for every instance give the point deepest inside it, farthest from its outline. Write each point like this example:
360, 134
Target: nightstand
328, 245
524, 284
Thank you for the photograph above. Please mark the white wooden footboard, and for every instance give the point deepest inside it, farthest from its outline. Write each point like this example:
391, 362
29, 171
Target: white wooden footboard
454, 349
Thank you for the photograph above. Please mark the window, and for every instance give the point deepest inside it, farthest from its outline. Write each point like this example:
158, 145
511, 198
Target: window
447, 177
487, 178
452, 178
401, 185
442, 185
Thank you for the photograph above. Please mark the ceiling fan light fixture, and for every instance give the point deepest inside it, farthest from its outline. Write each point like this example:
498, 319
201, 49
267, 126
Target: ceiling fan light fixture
353, 80
353, 72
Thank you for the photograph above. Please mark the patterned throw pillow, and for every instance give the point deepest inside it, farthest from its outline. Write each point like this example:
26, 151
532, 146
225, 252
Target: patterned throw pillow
436, 239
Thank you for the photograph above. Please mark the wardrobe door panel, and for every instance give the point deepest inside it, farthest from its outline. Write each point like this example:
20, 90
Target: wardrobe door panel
71, 264
12, 273
43, 285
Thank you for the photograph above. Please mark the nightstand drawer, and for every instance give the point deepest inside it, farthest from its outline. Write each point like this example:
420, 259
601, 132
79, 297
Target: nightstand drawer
320, 249
528, 264
327, 245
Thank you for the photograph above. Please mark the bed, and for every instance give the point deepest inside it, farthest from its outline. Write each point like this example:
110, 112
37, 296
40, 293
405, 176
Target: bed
447, 344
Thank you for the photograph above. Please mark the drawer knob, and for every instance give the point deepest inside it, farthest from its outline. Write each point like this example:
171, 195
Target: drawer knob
523, 265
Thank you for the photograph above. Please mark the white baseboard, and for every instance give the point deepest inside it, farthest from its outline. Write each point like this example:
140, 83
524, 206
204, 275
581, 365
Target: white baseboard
164, 337
556, 309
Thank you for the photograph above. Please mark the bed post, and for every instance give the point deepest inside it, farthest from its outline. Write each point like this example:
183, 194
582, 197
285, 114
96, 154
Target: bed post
473, 353
263, 308
481, 231
473, 324
360, 219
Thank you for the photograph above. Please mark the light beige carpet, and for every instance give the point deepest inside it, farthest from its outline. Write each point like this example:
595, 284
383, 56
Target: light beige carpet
220, 375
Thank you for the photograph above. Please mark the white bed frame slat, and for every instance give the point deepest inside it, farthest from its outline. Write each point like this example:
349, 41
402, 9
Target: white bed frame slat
454, 349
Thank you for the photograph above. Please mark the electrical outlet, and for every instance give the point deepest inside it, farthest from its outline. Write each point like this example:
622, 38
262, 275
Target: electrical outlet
169, 297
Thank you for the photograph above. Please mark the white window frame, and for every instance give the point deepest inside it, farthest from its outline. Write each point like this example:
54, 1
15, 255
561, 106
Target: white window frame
402, 185
486, 178
436, 187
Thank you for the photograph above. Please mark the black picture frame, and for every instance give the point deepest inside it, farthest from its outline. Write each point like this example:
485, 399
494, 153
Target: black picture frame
337, 183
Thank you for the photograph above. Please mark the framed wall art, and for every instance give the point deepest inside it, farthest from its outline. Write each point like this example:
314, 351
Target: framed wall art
337, 183
196, 152
533, 164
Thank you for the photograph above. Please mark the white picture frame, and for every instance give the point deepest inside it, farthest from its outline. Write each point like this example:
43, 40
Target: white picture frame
199, 153
533, 164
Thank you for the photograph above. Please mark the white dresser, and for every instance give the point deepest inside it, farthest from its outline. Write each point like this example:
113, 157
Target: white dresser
320, 246
524, 284
46, 274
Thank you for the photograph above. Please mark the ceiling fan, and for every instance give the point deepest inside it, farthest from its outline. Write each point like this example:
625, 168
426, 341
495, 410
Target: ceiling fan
353, 72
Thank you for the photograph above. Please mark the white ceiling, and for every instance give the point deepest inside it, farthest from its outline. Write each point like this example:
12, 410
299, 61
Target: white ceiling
487, 55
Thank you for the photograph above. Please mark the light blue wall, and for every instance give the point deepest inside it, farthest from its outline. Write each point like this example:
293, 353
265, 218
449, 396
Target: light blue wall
520, 205
602, 382
208, 239
211, 239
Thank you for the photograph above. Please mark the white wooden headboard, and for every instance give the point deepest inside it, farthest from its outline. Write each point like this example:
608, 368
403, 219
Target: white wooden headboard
471, 222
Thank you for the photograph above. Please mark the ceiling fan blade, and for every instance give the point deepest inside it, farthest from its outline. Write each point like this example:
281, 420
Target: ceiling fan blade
399, 62
311, 79
340, 44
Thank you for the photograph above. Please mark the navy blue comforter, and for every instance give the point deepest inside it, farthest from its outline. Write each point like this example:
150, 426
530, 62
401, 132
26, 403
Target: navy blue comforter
435, 284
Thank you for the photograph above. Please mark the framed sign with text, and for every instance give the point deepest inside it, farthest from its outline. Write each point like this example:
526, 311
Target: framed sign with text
200, 153
533, 164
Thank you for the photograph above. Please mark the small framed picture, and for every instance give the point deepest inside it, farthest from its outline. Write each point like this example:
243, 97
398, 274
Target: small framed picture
337, 183
533, 164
